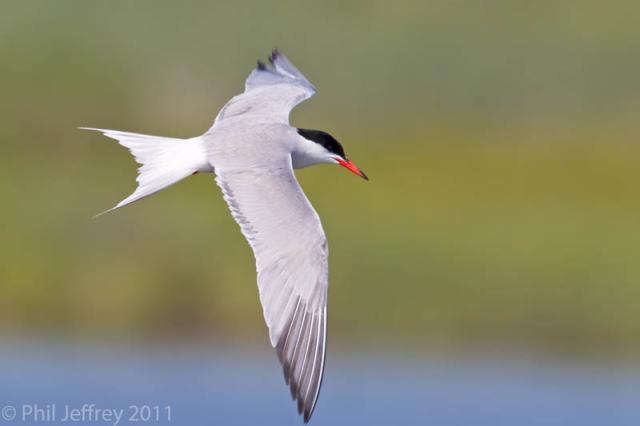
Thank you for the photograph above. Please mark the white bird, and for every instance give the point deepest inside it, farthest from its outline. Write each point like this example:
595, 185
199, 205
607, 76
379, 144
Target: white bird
252, 149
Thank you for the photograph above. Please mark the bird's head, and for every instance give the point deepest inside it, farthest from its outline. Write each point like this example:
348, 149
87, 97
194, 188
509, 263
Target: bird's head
319, 147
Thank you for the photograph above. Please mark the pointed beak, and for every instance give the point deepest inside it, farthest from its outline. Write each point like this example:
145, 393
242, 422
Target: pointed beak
352, 168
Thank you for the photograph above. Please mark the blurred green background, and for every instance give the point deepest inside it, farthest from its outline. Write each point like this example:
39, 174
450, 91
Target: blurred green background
501, 138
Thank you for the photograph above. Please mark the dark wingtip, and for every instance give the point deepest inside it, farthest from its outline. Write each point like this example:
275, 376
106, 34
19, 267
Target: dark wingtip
274, 55
286, 368
304, 403
293, 387
261, 66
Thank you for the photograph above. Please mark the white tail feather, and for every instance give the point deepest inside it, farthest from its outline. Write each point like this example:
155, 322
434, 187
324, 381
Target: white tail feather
164, 161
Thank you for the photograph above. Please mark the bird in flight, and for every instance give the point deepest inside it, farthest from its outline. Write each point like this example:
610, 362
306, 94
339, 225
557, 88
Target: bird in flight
252, 150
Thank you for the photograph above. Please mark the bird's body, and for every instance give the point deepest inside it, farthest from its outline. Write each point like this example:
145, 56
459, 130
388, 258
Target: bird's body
253, 150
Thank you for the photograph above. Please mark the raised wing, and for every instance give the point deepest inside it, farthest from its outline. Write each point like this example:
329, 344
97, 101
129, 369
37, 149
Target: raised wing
271, 91
290, 248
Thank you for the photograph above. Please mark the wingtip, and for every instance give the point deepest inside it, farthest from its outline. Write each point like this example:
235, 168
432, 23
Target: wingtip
293, 388
261, 66
275, 53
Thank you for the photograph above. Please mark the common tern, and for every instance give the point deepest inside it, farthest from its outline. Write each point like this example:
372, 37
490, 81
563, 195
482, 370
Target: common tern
252, 149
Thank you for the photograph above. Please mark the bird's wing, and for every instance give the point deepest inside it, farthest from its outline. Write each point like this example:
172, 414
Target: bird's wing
290, 248
271, 91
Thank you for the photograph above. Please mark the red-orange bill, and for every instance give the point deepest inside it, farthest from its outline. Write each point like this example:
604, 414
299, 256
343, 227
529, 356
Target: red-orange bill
352, 168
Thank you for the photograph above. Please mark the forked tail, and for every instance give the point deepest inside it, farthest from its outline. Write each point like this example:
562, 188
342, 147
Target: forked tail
164, 161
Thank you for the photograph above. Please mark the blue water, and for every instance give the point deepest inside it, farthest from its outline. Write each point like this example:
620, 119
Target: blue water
209, 386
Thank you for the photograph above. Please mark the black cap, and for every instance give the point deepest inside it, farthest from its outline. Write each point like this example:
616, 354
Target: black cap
325, 139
